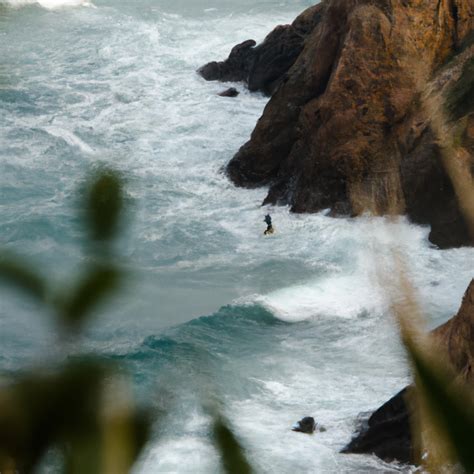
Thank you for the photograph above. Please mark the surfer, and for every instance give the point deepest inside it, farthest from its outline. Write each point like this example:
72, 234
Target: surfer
268, 221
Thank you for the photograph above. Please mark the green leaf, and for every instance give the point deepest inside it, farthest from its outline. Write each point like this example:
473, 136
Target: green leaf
13, 271
104, 204
233, 457
453, 411
92, 290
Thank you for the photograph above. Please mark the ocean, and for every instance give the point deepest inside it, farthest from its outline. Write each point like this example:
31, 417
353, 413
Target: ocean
275, 328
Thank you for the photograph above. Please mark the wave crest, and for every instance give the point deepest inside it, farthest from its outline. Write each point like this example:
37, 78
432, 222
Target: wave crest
48, 4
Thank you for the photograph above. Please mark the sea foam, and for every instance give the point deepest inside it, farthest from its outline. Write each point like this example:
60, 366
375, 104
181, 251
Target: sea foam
50, 4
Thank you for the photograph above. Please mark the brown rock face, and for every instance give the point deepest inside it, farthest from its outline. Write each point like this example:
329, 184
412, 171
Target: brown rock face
388, 433
352, 126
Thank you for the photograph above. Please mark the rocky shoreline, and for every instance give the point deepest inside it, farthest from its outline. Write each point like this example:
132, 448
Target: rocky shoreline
371, 108
350, 124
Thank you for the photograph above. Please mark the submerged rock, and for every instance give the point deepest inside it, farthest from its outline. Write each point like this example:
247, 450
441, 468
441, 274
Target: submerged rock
305, 425
387, 433
308, 425
231, 92
362, 114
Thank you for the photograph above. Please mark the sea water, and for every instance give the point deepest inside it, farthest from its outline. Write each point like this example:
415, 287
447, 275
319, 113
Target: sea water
277, 328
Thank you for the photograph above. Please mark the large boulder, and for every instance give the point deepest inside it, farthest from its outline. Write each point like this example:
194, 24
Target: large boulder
352, 124
387, 433
263, 67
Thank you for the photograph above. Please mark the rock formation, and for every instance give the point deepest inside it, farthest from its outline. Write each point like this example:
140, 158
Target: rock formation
387, 433
230, 92
305, 425
263, 67
360, 117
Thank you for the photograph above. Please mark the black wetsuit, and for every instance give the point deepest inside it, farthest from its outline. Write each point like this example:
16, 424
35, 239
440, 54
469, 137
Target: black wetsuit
268, 221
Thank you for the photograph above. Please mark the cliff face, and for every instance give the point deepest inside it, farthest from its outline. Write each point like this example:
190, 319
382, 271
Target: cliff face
388, 432
360, 119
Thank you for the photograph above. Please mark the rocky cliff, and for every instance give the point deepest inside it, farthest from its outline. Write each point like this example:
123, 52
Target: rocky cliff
372, 109
263, 67
388, 433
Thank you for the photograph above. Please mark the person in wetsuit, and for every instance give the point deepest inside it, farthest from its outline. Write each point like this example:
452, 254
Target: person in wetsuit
268, 221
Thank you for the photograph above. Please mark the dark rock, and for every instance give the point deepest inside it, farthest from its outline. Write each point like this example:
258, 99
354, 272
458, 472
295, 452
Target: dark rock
349, 125
235, 68
231, 92
306, 425
387, 433
273, 58
264, 67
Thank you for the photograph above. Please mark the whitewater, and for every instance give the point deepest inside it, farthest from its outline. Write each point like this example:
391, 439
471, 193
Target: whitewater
278, 328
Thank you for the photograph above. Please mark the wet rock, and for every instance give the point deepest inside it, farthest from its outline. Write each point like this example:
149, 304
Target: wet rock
263, 67
305, 425
386, 433
235, 68
348, 127
231, 92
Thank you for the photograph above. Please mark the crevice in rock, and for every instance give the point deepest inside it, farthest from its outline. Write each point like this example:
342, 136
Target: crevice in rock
454, 11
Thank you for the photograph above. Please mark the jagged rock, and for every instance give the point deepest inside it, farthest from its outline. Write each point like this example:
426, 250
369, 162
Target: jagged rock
349, 127
235, 68
231, 92
305, 425
263, 67
388, 433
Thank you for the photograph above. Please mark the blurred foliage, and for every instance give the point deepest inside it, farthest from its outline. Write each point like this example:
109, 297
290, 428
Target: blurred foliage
95, 286
66, 408
63, 407
17, 273
449, 405
103, 206
233, 458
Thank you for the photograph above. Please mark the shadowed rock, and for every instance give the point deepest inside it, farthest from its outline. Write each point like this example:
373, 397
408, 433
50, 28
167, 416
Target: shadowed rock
387, 432
231, 92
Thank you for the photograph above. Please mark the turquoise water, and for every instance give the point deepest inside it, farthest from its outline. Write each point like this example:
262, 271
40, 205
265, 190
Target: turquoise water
277, 328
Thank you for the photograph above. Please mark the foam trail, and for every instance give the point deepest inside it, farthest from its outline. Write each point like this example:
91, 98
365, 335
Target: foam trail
50, 4
69, 137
